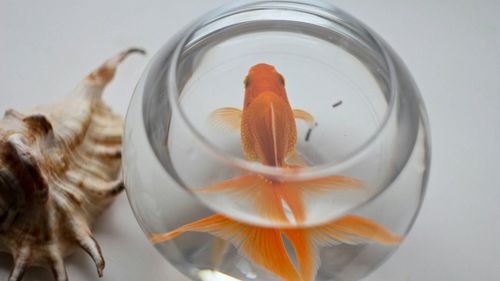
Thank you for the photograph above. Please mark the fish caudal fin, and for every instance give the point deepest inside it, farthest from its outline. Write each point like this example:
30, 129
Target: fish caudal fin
219, 250
350, 229
263, 246
268, 196
306, 253
264, 196
226, 118
324, 184
353, 230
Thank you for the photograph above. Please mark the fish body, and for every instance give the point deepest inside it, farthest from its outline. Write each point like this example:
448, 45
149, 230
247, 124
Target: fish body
268, 130
269, 136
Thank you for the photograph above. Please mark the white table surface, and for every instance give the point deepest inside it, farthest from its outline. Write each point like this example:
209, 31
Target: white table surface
452, 47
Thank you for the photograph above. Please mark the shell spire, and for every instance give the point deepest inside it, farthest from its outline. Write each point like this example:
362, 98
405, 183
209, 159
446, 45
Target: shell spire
60, 167
105, 73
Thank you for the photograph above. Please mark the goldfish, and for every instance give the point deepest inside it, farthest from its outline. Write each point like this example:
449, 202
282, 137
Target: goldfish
269, 136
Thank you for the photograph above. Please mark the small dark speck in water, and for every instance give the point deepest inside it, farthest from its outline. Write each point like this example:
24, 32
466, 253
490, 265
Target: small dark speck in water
337, 104
308, 135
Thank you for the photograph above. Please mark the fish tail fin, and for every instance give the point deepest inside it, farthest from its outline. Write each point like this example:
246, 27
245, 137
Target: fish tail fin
355, 227
293, 192
305, 252
208, 224
219, 250
263, 246
353, 230
268, 196
264, 195
350, 229
323, 184
156, 238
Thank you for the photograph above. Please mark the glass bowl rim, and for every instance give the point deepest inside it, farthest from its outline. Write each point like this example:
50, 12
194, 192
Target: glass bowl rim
254, 167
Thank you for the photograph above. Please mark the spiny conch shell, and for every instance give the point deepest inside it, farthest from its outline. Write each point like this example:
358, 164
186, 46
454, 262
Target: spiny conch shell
60, 167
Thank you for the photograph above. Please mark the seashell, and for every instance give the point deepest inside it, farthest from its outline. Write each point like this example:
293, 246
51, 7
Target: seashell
60, 167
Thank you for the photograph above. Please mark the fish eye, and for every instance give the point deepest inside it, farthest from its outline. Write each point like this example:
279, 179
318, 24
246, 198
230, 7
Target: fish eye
246, 82
282, 79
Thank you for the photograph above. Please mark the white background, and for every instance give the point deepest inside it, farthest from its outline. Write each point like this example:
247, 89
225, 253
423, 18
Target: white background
451, 47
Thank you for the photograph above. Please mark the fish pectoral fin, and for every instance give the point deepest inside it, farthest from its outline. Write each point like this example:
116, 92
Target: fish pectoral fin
306, 116
227, 118
263, 246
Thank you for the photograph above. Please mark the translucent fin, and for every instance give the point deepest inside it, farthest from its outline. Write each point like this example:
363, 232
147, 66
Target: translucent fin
219, 250
305, 252
294, 199
268, 196
325, 184
306, 116
352, 230
265, 197
228, 118
263, 246
294, 160
346, 230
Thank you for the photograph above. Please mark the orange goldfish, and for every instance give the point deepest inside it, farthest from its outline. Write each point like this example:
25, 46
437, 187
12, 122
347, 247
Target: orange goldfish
269, 136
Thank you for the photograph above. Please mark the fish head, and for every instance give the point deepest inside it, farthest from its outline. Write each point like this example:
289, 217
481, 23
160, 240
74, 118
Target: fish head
264, 73
263, 77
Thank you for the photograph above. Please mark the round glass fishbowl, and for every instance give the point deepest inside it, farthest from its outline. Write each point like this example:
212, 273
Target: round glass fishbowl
276, 140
